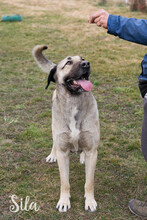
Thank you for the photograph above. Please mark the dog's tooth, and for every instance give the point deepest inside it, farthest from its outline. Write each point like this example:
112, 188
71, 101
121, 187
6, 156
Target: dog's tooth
75, 82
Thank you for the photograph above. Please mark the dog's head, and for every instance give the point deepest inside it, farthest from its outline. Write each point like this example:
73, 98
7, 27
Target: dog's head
72, 72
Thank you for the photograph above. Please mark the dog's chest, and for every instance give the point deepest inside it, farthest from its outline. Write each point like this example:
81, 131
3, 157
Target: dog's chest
74, 131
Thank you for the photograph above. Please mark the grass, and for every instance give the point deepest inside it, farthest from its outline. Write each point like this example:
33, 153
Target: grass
26, 110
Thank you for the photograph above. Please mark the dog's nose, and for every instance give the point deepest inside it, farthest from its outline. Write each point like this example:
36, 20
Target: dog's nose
85, 64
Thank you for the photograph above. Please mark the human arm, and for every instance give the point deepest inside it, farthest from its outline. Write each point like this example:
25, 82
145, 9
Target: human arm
130, 29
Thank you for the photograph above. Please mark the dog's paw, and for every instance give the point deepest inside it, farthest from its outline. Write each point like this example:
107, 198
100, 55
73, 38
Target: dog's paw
63, 204
90, 204
82, 158
51, 158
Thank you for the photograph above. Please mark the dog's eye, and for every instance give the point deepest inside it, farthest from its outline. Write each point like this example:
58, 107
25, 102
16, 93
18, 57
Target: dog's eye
69, 62
82, 59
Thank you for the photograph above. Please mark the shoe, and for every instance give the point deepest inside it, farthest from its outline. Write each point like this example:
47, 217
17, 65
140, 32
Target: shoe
138, 208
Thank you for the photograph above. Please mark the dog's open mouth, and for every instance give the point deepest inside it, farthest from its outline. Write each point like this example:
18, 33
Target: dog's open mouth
81, 84
86, 85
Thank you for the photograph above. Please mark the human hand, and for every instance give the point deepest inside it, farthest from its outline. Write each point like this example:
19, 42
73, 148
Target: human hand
100, 18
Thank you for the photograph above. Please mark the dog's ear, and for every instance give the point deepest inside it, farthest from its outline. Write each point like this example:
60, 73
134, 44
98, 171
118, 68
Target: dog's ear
51, 76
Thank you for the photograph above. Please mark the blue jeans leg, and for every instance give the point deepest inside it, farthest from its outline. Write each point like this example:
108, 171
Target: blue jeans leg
144, 129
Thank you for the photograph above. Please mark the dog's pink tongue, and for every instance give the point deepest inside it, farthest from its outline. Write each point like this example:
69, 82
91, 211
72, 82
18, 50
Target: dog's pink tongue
85, 84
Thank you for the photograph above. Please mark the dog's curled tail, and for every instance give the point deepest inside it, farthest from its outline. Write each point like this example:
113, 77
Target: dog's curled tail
45, 64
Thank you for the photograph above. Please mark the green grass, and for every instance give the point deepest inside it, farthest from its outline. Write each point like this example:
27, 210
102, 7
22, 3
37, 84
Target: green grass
25, 109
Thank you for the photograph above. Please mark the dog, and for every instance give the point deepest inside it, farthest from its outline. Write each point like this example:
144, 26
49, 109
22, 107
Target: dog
75, 121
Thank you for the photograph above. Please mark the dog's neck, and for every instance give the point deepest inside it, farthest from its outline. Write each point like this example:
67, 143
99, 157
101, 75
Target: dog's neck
67, 101
71, 106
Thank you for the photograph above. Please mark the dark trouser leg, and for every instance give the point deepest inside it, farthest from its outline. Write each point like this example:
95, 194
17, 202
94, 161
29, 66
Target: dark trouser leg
144, 129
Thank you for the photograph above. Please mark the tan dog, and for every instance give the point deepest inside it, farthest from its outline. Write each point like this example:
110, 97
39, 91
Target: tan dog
75, 122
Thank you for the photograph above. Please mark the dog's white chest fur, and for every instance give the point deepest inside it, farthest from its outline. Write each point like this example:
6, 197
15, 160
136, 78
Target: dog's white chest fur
74, 131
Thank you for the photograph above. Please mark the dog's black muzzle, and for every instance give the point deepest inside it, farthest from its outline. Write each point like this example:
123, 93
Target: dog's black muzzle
85, 66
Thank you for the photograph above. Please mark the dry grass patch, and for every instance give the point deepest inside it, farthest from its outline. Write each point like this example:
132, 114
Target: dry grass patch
74, 8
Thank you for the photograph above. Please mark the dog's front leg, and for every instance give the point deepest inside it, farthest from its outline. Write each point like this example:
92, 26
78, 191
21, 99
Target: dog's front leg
90, 163
63, 162
52, 156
